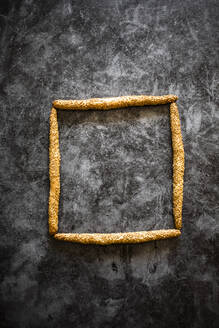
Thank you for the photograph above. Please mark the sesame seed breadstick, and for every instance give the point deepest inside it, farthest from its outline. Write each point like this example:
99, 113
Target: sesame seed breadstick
54, 168
117, 238
178, 165
114, 102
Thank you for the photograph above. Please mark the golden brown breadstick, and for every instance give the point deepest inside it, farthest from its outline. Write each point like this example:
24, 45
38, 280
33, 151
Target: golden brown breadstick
54, 168
178, 165
115, 102
117, 238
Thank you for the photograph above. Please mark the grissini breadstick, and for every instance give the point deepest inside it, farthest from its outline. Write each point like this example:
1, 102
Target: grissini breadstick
117, 238
54, 168
178, 170
178, 165
114, 102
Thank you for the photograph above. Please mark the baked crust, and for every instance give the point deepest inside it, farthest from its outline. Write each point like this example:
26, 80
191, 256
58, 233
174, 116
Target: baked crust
54, 173
114, 102
178, 165
54, 169
117, 238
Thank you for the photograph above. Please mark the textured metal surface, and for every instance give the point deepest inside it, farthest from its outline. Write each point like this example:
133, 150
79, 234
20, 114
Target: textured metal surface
84, 49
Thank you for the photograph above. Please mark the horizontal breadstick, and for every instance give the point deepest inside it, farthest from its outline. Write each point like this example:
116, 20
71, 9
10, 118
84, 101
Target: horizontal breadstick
115, 102
178, 165
117, 238
54, 174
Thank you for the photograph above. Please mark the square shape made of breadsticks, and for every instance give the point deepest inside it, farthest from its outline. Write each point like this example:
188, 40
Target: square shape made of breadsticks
54, 169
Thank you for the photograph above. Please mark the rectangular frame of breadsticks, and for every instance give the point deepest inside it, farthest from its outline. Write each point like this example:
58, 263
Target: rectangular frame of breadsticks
54, 169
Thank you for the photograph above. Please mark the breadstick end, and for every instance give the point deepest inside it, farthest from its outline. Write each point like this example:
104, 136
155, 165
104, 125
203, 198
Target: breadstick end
52, 230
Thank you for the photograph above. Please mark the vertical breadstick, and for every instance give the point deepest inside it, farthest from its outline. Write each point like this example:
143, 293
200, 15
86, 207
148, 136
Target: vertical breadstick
54, 173
113, 102
178, 165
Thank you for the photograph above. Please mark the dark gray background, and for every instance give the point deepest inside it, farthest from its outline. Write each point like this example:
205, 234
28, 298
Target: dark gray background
116, 166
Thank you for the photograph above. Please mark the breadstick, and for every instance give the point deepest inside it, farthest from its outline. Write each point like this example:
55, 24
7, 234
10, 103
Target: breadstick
178, 165
54, 168
115, 102
117, 238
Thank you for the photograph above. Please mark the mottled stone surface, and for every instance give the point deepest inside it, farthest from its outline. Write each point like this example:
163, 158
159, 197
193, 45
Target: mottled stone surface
116, 166
110, 177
